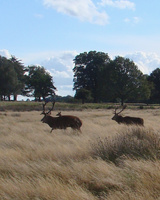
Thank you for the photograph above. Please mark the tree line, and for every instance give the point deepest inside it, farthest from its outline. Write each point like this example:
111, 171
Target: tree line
97, 78
31, 81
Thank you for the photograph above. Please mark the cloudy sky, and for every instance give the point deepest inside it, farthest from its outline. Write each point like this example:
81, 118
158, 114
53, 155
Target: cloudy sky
52, 32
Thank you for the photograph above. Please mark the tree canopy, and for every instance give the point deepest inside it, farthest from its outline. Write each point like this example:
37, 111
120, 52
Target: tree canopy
11, 77
109, 80
86, 71
154, 79
97, 78
39, 83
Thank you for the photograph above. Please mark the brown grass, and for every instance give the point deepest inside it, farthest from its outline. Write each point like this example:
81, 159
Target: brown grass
106, 161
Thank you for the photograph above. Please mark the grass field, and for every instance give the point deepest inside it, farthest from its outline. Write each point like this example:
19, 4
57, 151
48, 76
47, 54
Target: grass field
107, 161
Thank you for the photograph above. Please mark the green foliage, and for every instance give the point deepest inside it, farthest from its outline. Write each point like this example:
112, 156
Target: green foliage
154, 79
11, 77
39, 83
83, 94
108, 80
127, 82
86, 71
19, 69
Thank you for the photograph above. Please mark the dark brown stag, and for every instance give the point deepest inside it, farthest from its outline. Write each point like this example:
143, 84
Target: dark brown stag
62, 121
127, 119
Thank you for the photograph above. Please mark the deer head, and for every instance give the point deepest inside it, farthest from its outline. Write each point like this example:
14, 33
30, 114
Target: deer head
46, 113
116, 115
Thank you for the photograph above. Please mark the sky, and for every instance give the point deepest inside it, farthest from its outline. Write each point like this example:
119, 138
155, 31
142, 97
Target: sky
50, 33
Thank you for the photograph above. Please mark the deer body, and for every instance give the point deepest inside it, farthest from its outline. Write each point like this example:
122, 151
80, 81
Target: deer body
127, 119
61, 122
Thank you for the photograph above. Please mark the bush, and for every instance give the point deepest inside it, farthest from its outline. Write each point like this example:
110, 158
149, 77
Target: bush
134, 143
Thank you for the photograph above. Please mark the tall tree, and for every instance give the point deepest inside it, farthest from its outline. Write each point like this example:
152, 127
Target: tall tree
86, 71
39, 83
8, 78
127, 82
154, 78
19, 69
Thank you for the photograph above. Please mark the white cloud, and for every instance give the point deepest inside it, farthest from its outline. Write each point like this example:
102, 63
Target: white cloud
61, 63
84, 10
60, 66
146, 62
5, 53
66, 90
59, 74
134, 20
121, 4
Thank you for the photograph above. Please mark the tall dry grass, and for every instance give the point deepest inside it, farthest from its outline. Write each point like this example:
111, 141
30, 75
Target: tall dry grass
106, 161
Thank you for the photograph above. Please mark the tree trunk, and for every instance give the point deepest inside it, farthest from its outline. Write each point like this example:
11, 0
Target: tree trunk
15, 97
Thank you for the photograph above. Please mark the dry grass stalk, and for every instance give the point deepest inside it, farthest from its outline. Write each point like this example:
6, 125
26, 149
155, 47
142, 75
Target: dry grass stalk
107, 161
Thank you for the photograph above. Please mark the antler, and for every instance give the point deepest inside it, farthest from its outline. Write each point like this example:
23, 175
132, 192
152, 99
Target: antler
51, 108
120, 110
44, 112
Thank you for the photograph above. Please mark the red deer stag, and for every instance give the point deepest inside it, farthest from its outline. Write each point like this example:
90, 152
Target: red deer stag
127, 119
61, 122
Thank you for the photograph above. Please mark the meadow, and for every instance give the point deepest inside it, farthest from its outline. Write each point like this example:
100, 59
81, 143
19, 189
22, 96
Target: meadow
105, 161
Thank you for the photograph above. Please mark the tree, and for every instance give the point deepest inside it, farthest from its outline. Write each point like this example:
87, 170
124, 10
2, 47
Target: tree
83, 94
19, 69
8, 78
154, 78
11, 77
86, 71
127, 82
39, 83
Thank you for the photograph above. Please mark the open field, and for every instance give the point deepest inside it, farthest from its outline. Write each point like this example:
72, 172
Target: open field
106, 161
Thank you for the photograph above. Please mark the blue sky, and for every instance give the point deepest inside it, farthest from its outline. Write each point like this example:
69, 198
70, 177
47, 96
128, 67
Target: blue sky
52, 32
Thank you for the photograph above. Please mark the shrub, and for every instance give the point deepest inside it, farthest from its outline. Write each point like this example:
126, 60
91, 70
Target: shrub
135, 143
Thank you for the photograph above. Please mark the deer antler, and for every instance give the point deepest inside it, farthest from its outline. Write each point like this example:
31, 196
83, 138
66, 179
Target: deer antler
44, 105
43, 112
51, 107
120, 110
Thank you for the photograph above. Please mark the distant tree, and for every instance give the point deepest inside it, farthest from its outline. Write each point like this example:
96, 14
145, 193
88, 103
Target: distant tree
154, 78
86, 71
83, 94
39, 83
8, 78
19, 69
126, 81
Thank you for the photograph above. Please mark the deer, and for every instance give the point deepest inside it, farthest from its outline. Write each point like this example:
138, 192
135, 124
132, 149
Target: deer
62, 121
127, 119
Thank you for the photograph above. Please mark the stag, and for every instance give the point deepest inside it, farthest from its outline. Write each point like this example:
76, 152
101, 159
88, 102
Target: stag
127, 119
60, 122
